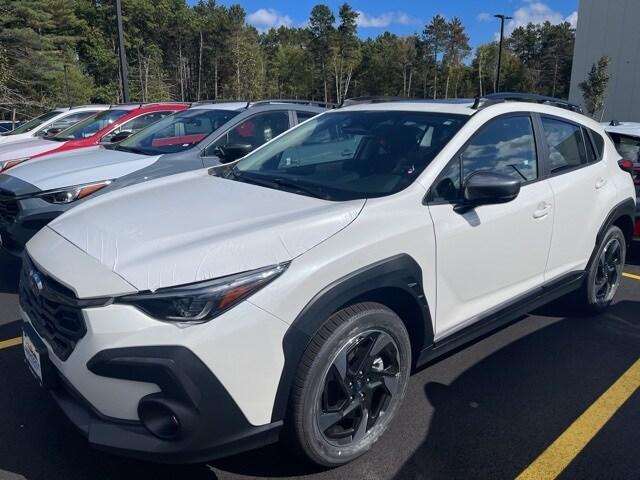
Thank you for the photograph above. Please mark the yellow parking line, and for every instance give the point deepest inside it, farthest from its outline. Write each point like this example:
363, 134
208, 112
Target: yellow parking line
10, 343
631, 275
568, 445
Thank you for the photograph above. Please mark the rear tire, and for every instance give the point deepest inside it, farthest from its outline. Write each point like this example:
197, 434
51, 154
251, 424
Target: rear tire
605, 272
350, 384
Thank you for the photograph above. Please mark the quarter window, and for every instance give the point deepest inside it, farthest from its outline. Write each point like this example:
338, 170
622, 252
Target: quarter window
566, 145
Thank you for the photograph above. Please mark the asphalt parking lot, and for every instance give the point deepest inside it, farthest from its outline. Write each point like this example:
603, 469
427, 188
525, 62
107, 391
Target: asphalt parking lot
525, 401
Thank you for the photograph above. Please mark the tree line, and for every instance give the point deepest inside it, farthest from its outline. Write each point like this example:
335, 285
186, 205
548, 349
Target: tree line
54, 52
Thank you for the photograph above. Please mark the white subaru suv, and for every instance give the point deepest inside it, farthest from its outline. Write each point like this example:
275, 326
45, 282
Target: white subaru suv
292, 295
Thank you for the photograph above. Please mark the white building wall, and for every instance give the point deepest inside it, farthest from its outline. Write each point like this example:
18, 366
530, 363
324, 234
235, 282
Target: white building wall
612, 28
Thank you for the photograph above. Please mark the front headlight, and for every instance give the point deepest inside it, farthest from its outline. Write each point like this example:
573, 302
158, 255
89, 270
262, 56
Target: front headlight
7, 164
200, 302
71, 194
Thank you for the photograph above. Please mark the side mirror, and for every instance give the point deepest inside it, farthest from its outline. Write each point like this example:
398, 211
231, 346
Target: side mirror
489, 188
52, 131
233, 151
118, 137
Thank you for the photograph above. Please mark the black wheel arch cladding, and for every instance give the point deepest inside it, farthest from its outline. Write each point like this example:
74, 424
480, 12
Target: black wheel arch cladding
385, 281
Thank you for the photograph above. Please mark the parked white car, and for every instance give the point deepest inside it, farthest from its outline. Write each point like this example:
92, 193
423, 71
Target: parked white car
50, 123
200, 315
626, 137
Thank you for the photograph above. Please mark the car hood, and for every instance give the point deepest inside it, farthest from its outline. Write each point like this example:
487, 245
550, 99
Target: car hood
20, 137
26, 148
193, 227
77, 167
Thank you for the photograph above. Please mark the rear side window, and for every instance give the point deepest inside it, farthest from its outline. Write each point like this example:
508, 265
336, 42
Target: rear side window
567, 149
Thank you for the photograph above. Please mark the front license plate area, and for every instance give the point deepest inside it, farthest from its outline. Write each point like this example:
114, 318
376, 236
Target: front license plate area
36, 357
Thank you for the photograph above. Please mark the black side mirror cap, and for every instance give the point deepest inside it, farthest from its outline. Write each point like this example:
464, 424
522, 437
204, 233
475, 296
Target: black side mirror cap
488, 188
233, 151
118, 137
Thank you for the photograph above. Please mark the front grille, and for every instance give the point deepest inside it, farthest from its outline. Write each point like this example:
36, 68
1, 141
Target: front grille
8, 208
53, 310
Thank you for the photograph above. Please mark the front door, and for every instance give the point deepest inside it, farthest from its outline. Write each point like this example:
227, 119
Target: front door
491, 254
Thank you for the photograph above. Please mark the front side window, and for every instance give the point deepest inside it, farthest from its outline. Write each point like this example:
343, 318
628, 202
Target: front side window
253, 132
506, 145
351, 154
566, 145
628, 147
33, 123
177, 132
90, 126
70, 120
136, 124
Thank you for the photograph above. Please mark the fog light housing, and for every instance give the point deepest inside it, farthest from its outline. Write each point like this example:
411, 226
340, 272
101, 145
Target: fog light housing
160, 417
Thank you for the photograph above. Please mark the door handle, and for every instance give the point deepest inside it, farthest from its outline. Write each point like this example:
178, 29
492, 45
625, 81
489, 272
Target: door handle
543, 210
601, 182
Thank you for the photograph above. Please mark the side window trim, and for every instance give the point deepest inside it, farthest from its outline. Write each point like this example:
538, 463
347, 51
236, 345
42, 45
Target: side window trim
547, 161
457, 157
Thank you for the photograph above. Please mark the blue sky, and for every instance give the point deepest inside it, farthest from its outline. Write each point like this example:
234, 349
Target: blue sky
409, 16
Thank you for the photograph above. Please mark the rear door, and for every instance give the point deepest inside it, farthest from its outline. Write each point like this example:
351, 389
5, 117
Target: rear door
583, 194
492, 254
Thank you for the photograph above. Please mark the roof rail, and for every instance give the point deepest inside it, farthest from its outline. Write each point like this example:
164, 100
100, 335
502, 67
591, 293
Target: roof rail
494, 98
384, 99
205, 102
87, 106
316, 103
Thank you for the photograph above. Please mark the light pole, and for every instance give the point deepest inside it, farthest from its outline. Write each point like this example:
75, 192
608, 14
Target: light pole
124, 71
502, 19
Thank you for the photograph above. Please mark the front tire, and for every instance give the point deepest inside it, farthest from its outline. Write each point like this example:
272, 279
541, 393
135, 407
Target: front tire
605, 272
350, 383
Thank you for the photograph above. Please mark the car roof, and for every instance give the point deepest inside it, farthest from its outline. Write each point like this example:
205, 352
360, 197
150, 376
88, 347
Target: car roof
150, 106
626, 128
222, 105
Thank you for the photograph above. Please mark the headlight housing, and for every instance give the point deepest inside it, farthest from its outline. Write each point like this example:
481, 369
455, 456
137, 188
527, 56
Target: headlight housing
71, 194
203, 301
7, 164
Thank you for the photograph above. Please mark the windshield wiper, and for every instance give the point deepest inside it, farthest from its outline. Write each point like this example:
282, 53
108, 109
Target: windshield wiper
278, 183
130, 150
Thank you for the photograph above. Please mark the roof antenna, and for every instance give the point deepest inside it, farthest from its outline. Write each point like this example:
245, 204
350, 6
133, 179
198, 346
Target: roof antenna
476, 103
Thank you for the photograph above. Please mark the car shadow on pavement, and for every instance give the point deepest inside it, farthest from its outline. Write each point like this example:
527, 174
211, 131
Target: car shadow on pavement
494, 419
9, 273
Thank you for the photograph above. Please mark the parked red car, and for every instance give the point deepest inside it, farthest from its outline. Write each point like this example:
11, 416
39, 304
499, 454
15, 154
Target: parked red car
108, 126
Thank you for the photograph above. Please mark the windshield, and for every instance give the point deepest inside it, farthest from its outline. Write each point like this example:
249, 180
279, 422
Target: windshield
351, 155
90, 126
178, 132
33, 123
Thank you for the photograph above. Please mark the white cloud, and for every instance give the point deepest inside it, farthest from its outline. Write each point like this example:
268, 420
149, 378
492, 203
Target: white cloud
537, 12
484, 17
266, 18
572, 19
385, 19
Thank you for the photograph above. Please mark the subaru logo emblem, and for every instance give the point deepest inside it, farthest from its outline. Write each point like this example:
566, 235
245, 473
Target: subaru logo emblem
35, 282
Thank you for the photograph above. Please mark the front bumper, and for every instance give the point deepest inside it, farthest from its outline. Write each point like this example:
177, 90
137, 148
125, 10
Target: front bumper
31, 215
216, 428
